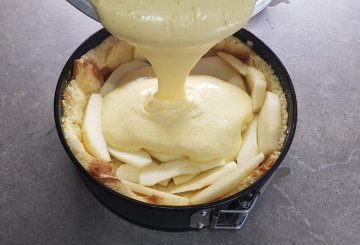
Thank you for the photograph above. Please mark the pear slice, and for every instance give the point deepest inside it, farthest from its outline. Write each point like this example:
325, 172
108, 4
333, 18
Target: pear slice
164, 183
138, 159
128, 172
227, 183
138, 55
238, 81
206, 178
237, 64
143, 72
178, 180
257, 84
188, 194
92, 134
214, 66
166, 157
146, 191
117, 75
269, 123
131, 173
249, 147
152, 175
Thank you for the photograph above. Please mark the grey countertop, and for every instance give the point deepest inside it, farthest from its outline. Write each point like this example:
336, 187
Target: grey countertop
44, 201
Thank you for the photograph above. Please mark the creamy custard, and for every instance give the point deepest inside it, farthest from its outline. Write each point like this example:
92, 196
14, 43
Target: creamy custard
198, 116
204, 128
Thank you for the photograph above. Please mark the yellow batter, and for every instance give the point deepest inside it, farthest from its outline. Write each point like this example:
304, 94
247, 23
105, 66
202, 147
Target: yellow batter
206, 127
202, 120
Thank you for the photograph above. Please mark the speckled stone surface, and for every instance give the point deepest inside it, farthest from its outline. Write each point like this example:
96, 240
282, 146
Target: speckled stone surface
44, 201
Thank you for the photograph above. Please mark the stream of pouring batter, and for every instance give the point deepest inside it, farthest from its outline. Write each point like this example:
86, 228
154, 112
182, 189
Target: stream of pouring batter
173, 35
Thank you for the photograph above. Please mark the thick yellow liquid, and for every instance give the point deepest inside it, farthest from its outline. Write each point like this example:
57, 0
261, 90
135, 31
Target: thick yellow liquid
200, 117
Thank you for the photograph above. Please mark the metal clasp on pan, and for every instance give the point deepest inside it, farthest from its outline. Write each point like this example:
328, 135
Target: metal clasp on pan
237, 217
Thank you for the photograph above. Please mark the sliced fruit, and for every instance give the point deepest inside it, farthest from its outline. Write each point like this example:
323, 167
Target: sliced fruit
237, 64
128, 172
166, 157
178, 180
138, 55
227, 184
143, 72
205, 179
188, 194
152, 175
269, 122
119, 73
238, 81
164, 182
257, 85
92, 134
138, 159
255, 175
146, 191
249, 147
214, 66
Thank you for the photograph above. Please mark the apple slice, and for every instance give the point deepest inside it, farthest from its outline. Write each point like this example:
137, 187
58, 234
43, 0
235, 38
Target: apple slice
178, 180
249, 147
269, 123
237, 64
128, 172
166, 157
146, 191
228, 183
119, 73
138, 159
152, 175
206, 178
92, 134
257, 84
